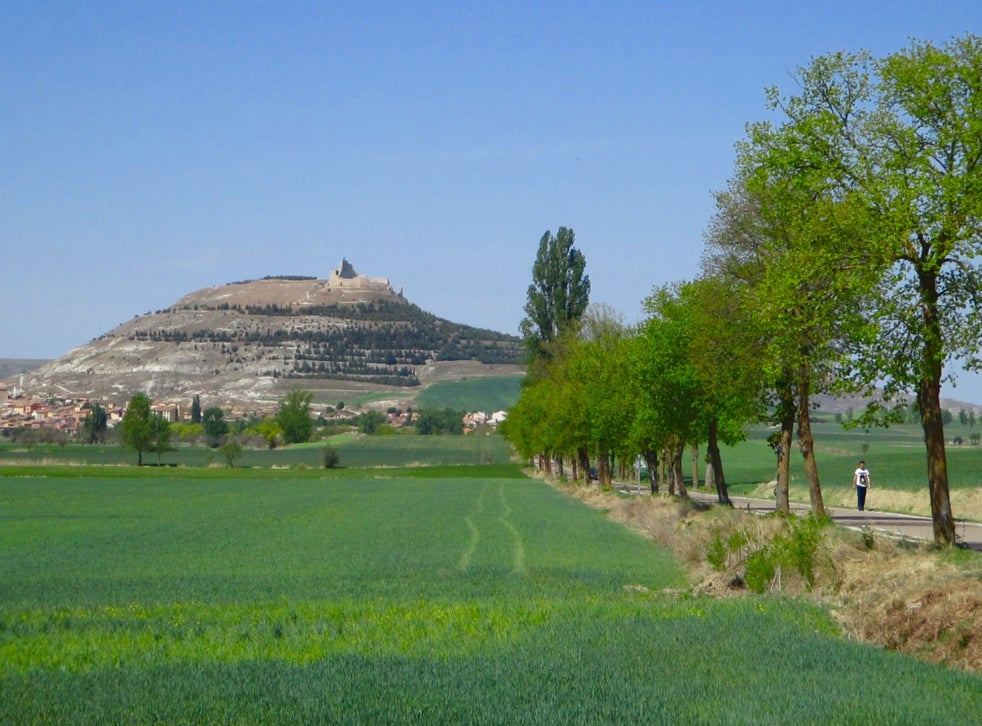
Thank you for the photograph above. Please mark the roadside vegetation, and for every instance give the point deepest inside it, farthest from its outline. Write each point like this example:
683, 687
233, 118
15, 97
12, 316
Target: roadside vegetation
899, 595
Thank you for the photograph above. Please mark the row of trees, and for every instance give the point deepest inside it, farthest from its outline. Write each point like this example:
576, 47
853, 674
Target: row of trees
841, 258
144, 430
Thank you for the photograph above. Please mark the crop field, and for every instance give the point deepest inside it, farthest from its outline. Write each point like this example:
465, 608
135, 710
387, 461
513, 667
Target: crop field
415, 595
478, 394
355, 451
896, 457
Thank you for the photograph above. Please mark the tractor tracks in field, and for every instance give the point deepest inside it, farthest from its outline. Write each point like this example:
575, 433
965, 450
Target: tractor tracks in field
479, 515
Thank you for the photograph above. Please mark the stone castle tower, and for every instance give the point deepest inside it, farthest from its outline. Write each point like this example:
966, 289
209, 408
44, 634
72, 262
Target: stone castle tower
344, 275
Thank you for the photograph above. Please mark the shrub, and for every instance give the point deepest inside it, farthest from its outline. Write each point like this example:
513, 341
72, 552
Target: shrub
760, 570
331, 457
716, 552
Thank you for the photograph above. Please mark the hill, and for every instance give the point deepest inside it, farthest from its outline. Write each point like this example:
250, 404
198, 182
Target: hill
13, 367
243, 344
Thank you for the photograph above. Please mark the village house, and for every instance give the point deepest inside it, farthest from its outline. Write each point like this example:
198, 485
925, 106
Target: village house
472, 421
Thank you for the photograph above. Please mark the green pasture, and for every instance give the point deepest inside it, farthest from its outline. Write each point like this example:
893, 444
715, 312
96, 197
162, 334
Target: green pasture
413, 595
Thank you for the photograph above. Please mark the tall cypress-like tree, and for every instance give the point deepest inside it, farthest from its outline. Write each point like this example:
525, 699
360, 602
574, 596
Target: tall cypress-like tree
559, 293
95, 425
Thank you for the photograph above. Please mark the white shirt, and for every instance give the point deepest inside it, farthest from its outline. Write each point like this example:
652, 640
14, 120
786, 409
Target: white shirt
861, 477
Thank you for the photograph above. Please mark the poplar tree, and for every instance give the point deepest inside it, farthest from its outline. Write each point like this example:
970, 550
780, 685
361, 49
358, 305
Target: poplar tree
559, 293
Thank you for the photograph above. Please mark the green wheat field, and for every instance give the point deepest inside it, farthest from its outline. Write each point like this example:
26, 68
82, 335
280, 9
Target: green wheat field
427, 594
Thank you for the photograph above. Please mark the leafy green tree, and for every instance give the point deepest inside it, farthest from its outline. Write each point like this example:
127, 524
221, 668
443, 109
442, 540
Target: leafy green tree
270, 430
430, 421
214, 425
559, 293
671, 403
903, 135
370, 422
95, 425
137, 428
330, 457
798, 254
196, 410
294, 416
231, 451
187, 432
598, 367
160, 433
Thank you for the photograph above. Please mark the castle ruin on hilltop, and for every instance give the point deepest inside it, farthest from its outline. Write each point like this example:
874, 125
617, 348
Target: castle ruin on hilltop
344, 276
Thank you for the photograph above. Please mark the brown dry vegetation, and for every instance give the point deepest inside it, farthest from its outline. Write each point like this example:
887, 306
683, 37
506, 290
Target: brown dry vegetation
912, 599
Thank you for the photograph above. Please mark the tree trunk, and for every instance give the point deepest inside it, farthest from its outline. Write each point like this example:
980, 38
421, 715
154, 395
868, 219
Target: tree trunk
695, 466
716, 464
806, 443
603, 472
677, 474
560, 471
664, 473
651, 459
787, 413
584, 456
929, 401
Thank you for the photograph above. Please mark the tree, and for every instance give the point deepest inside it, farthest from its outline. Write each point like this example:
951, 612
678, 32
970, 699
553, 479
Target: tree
137, 428
431, 421
294, 416
559, 293
196, 410
904, 136
231, 451
159, 435
370, 422
330, 457
95, 425
723, 346
270, 430
214, 425
598, 368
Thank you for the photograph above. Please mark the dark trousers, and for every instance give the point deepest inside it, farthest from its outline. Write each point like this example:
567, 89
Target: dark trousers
861, 497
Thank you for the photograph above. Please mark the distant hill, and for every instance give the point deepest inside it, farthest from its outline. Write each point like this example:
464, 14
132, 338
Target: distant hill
13, 367
245, 343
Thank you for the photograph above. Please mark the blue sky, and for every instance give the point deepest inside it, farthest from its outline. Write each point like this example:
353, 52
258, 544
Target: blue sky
151, 149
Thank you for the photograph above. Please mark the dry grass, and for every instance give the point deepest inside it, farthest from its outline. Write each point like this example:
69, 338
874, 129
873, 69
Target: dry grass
914, 600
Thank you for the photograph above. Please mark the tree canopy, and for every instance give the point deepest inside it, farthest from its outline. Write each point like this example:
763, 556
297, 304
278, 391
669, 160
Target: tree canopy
559, 293
137, 430
294, 416
897, 142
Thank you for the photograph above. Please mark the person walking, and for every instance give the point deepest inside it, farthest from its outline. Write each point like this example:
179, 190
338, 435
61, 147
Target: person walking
861, 480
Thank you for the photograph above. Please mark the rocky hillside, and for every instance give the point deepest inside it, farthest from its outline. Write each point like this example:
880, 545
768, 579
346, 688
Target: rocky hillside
246, 342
